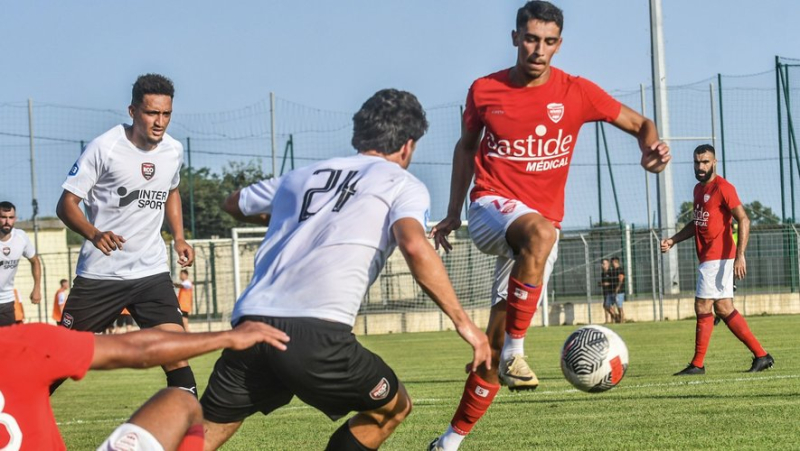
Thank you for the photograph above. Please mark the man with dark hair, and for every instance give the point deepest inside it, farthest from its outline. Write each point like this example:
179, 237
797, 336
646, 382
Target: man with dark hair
518, 135
15, 244
40, 354
721, 260
618, 284
128, 179
332, 226
607, 286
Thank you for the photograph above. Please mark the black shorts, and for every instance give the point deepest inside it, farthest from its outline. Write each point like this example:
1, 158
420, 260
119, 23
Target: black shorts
323, 365
7, 316
93, 305
124, 320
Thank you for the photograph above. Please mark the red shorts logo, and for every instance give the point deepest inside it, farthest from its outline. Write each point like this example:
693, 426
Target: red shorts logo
148, 170
506, 207
381, 391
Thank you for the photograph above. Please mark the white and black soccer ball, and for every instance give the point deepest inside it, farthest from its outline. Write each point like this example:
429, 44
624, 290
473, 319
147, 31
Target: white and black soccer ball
594, 359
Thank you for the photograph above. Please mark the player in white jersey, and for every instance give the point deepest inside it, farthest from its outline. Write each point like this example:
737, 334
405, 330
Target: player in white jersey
14, 244
332, 225
128, 180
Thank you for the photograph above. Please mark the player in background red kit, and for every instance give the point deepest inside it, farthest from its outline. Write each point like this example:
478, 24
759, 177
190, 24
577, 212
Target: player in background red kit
721, 259
35, 355
528, 117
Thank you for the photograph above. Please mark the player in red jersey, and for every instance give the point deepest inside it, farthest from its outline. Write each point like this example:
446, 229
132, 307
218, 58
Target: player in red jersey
721, 259
529, 117
35, 355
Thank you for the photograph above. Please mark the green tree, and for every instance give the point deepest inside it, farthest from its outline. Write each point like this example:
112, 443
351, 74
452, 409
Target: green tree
210, 191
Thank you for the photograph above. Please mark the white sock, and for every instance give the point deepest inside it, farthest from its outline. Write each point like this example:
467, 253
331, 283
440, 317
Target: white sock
450, 440
512, 347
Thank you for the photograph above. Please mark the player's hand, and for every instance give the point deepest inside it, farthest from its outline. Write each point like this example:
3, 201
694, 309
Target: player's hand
107, 242
740, 267
440, 231
666, 245
250, 333
185, 253
655, 157
36, 295
481, 352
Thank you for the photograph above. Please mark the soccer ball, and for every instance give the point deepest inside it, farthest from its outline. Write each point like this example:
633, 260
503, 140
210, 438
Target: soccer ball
594, 359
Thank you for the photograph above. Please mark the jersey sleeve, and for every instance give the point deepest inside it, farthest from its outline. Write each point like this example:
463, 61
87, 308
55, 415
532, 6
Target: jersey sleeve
84, 173
176, 178
472, 118
257, 198
729, 196
598, 105
63, 352
412, 201
29, 251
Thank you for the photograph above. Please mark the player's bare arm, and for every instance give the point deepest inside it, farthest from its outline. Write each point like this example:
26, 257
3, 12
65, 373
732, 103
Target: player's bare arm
655, 153
463, 171
429, 272
685, 233
151, 347
740, 264
174, 214
69, 211
231, 206
36, 272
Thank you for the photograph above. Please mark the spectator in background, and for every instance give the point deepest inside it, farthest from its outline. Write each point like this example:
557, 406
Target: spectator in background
185, 291
59, 300
14, 244
618, 282
607, 284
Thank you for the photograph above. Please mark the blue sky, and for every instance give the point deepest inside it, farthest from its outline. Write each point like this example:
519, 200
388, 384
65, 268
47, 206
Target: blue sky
333, 55
224, 55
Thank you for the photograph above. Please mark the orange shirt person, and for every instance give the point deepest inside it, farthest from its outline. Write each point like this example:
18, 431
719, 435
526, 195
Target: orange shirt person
19, 312
60, 299
185, 291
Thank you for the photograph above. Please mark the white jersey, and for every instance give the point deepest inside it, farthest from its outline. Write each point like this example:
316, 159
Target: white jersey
125, 190
329, 236
11, 252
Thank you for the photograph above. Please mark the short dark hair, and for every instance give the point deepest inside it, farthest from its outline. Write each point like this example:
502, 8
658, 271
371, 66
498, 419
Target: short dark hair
7, 206
540, 10
603, 260
185, 271
151, 84
61, 282
387, 120
703, 148
615, 259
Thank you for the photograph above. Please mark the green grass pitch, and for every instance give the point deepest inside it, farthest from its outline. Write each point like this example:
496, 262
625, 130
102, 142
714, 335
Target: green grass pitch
650, 409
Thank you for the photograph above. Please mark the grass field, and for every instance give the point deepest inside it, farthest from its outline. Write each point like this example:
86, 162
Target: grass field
650, 409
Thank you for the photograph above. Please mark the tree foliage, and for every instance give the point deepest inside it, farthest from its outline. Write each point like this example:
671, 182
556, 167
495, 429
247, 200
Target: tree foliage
210, 191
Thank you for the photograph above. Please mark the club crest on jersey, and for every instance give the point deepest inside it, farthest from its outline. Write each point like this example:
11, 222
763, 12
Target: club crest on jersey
148, 170
555, 111
6, 251
381, 391
706, 197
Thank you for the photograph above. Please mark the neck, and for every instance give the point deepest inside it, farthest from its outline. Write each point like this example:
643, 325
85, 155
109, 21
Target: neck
520, 78
137, 141
710, 179
5, 236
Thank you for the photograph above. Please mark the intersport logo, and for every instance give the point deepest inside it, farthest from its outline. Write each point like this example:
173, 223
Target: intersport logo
541, 154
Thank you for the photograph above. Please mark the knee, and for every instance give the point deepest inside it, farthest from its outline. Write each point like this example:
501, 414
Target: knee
403, 407
190, 406
538, 241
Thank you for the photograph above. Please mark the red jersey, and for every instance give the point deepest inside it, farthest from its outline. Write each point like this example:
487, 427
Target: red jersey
34, 356
713, 232
530, 134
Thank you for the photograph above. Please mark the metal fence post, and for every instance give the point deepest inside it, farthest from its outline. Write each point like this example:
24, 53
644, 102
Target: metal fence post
588, 278
660, 279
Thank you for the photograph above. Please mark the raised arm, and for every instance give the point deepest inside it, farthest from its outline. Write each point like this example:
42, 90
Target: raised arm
685, 233
152, 347
69, 211
740, 264
429, 272
174, 215
231, 206
655, 153
463, 171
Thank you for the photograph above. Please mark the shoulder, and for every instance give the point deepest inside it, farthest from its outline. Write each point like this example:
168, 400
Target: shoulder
499, 78
105, 142
171, 143
20, 234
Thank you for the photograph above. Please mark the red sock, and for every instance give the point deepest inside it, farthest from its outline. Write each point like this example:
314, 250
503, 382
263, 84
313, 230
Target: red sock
193, 440
705, 325
477, 397
520, 307
739, 327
